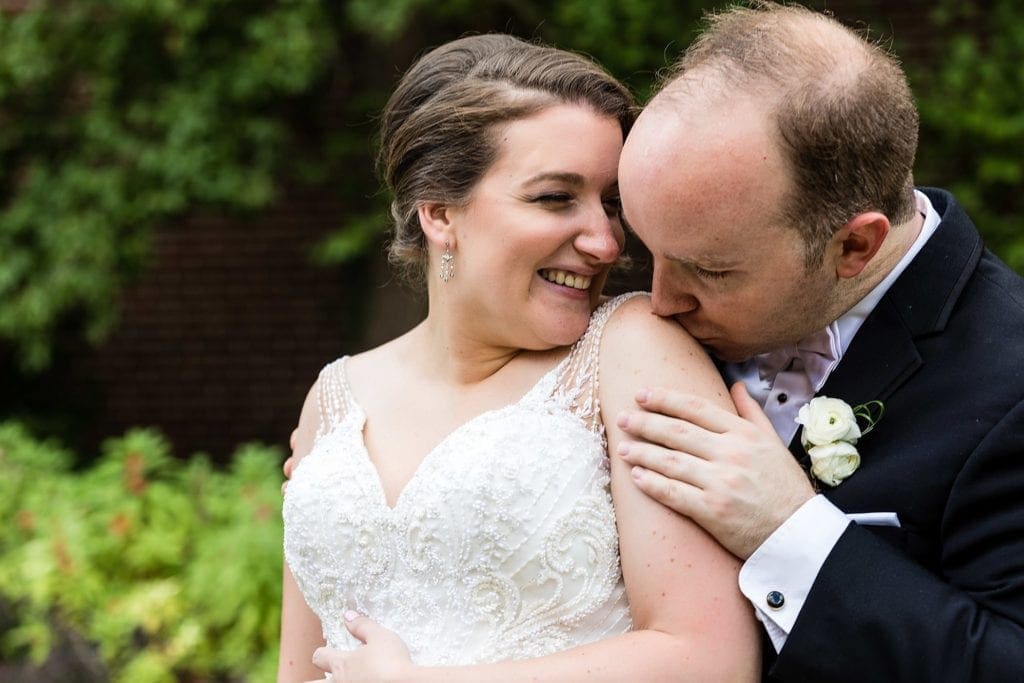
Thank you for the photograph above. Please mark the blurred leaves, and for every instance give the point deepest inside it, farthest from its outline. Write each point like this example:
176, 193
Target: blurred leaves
972, 119
118, 116
171, 569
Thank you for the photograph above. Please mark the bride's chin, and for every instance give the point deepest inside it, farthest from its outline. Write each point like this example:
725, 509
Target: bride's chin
567, 333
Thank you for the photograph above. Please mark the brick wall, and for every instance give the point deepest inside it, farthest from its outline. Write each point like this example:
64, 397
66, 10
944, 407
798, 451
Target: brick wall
221, 339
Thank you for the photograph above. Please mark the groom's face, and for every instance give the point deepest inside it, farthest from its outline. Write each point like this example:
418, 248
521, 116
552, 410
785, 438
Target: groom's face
702, 188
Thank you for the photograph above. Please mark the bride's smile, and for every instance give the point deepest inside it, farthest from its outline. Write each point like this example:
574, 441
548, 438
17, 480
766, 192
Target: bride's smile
534, 242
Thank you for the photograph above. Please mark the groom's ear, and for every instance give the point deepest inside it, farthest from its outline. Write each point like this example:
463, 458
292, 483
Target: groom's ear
859, 241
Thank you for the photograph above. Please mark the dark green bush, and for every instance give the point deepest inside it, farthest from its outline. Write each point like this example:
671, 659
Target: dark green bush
170, 569
972, 118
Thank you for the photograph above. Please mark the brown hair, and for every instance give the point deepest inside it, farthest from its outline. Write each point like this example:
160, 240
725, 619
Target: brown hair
437, 130
846, 121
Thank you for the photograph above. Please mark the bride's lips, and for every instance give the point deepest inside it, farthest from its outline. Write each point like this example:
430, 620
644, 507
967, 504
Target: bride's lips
567, 278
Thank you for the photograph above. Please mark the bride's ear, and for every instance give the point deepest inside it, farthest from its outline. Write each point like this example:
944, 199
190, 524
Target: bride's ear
436, 221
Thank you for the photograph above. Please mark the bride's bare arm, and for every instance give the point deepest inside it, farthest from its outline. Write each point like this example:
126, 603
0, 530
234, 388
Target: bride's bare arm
690, 621
682, 585
301, 631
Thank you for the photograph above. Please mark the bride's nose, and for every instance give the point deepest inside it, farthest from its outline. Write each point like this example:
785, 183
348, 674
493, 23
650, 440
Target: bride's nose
600, 237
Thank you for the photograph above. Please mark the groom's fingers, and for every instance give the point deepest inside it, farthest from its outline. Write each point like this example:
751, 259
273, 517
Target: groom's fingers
749, 409
693, 409
672, 493
667, 462
670, 432
287, 468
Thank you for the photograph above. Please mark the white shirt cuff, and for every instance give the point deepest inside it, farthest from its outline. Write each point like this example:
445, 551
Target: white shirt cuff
778, 576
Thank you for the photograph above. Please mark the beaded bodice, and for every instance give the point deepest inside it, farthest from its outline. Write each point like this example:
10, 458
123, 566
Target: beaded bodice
501, 546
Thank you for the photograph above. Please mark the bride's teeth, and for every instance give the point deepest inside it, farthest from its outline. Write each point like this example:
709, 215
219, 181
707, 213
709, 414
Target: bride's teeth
567, 279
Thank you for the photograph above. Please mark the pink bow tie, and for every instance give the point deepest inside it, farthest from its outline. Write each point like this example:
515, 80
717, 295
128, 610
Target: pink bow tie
817, 354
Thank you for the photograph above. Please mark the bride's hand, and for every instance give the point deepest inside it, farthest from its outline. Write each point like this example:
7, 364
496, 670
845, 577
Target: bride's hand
383, 656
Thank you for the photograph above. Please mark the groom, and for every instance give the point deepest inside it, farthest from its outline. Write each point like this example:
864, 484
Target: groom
771, 180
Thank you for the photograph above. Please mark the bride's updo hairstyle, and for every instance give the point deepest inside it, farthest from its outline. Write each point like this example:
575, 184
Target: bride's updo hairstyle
438, 129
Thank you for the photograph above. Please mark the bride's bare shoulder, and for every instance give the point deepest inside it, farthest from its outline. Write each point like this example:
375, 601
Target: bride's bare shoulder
640, 346
634, 321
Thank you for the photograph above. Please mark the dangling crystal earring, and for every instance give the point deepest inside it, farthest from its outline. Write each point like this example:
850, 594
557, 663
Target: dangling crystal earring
447, 263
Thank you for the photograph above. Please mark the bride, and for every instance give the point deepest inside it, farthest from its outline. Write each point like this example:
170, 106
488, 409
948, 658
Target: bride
454, 483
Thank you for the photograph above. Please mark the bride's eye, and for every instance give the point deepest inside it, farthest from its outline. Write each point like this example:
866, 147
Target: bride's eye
613, 206
552, 198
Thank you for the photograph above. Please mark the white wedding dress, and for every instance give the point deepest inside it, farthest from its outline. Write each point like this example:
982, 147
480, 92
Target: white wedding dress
502, 545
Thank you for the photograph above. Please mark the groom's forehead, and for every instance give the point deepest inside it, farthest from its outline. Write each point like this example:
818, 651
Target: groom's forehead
690, 240
681, 244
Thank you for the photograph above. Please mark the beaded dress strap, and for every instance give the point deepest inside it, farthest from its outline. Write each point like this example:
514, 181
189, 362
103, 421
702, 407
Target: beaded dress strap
579, 379
334, 399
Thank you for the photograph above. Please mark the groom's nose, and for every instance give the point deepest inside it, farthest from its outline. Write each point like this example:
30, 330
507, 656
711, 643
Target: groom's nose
669, 295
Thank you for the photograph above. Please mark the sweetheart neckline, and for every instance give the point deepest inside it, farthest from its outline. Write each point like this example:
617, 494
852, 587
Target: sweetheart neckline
359, 416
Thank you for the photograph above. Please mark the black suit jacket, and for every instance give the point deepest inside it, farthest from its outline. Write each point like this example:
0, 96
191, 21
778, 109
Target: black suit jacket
942, 597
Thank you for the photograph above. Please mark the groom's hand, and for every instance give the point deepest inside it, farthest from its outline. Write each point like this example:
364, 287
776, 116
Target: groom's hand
730, 474
289, 464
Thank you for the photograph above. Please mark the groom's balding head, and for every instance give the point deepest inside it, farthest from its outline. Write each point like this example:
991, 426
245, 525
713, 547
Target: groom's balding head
789, 125
842, 110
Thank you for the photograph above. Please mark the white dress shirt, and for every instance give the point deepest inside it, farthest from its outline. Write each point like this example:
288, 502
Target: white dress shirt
788, 562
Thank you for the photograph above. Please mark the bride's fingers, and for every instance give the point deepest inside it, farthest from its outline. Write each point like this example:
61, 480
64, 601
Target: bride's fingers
327, 659
364, 628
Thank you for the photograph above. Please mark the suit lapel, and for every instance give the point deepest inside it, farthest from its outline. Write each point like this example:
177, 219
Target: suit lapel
883, 354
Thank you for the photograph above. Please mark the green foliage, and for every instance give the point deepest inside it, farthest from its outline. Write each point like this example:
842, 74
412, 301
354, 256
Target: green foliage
116, 115
972, 118
120, 115
171, 570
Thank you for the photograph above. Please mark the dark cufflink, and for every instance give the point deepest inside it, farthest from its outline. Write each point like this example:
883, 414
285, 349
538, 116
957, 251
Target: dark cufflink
775, 599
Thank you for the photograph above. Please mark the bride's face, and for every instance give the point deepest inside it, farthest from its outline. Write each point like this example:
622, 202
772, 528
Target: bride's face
536, 239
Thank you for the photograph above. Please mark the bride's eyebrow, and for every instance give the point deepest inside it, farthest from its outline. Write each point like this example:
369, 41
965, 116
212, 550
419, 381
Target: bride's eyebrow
560, 176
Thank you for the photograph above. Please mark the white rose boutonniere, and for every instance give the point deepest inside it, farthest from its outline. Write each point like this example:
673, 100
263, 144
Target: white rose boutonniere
830, 430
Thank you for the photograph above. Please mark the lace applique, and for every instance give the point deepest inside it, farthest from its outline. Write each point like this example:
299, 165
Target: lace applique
334, 400
578, 383
502, 545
